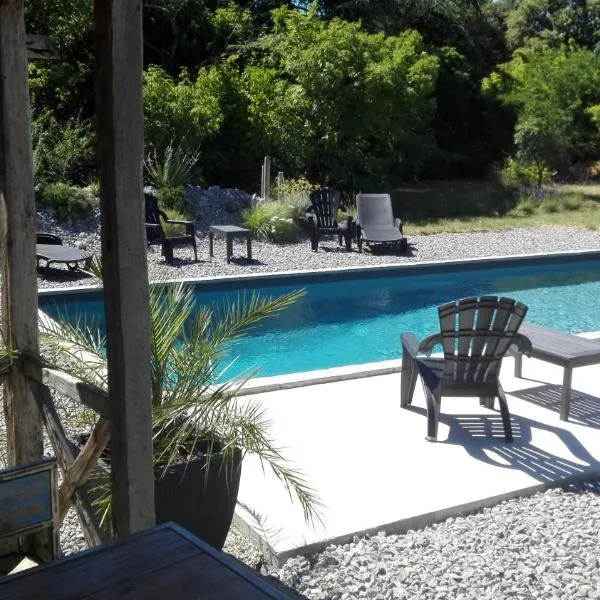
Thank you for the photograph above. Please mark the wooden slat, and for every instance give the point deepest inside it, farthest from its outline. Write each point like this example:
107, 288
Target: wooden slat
118, 29
41, 47
155, 564
18, 276
66, 457
89, 395
77, 474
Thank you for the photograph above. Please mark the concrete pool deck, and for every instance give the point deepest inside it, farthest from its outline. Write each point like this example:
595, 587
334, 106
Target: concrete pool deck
373, 470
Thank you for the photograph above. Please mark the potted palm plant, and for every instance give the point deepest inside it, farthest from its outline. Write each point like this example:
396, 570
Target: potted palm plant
201, 431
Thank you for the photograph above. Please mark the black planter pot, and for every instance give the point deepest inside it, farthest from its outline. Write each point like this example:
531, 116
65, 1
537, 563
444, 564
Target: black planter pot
201, 502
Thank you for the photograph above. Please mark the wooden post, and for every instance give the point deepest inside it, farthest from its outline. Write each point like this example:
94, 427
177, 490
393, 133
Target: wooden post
265, 184
18, 278
118, 27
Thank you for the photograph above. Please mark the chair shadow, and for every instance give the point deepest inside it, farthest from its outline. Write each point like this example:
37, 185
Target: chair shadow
584, 408
243, 261
56, 274
482, 437
392, 250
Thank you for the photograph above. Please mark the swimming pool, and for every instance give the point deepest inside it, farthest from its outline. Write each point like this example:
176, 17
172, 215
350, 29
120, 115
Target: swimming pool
355, 316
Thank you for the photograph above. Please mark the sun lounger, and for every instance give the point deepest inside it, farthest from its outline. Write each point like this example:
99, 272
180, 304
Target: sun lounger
49, 248
376, 223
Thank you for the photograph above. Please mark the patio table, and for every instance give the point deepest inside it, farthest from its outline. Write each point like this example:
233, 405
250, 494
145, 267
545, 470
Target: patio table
562, 349
229, 232
162, 562
57, 253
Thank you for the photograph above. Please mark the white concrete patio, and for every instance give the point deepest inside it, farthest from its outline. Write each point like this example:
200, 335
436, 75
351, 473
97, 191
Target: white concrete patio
373, 469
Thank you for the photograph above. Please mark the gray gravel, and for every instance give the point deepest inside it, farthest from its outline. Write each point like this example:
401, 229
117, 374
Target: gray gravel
269, 257
545, 546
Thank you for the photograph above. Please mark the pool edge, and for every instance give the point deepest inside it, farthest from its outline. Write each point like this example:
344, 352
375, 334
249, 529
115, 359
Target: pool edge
304, 273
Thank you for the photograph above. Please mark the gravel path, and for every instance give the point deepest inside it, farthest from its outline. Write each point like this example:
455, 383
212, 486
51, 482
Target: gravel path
271, 257
545, 546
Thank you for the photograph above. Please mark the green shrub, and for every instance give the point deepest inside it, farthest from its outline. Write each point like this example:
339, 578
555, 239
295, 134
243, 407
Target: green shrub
551, 204
271, 221
172, 199
517, 172
293, 187
526, 205
297, 204
67, 201
573, 202
62, 151
171, 168
172, 229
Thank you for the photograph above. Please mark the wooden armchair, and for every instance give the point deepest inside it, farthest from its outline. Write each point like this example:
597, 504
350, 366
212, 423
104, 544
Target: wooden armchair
322, 218
475, 334
155, 233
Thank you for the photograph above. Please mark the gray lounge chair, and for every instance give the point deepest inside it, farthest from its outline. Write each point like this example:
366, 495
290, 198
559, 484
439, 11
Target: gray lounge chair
475, 334
376, 223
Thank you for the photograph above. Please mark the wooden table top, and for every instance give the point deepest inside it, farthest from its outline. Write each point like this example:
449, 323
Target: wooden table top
559, 347
165, 562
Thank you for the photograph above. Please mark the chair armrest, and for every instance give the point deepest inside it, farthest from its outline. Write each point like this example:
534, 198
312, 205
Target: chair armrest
175, 222
398, 224
410, 344
426, 346
152, 225
522, 343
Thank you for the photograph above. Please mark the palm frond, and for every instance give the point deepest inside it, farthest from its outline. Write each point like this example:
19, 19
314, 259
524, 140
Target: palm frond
193, 410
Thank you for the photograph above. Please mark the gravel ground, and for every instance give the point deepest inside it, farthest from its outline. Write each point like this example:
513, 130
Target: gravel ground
545, 546
271, 257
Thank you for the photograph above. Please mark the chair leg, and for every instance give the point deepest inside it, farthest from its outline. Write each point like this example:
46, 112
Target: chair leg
433, 414
195, 248
408, 379
508, 436
167, 252
348, 238
314, 241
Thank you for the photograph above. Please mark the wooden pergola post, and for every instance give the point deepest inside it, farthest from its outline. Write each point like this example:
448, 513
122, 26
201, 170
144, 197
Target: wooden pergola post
18, 278
118, 27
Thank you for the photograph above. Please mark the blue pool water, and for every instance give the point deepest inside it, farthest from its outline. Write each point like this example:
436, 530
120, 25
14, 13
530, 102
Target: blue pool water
353, 318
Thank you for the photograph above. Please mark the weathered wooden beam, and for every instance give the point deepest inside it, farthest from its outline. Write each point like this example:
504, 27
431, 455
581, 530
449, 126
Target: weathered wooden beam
77, 474
89, 395
18, 277
41, 47
118, 29
66, 457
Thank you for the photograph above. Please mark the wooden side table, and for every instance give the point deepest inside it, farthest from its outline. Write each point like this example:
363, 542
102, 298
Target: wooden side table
229, 232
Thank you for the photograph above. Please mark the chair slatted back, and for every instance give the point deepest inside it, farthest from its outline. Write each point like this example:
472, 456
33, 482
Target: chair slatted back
476, 334
325, 203
152, 217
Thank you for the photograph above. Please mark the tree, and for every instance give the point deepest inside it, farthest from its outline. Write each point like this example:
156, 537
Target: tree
315, 77
551, 91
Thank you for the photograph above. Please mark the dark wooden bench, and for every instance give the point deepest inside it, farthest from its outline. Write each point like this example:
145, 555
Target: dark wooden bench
562, 349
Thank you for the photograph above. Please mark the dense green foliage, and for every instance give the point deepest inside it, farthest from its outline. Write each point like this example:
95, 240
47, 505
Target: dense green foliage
360, 95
